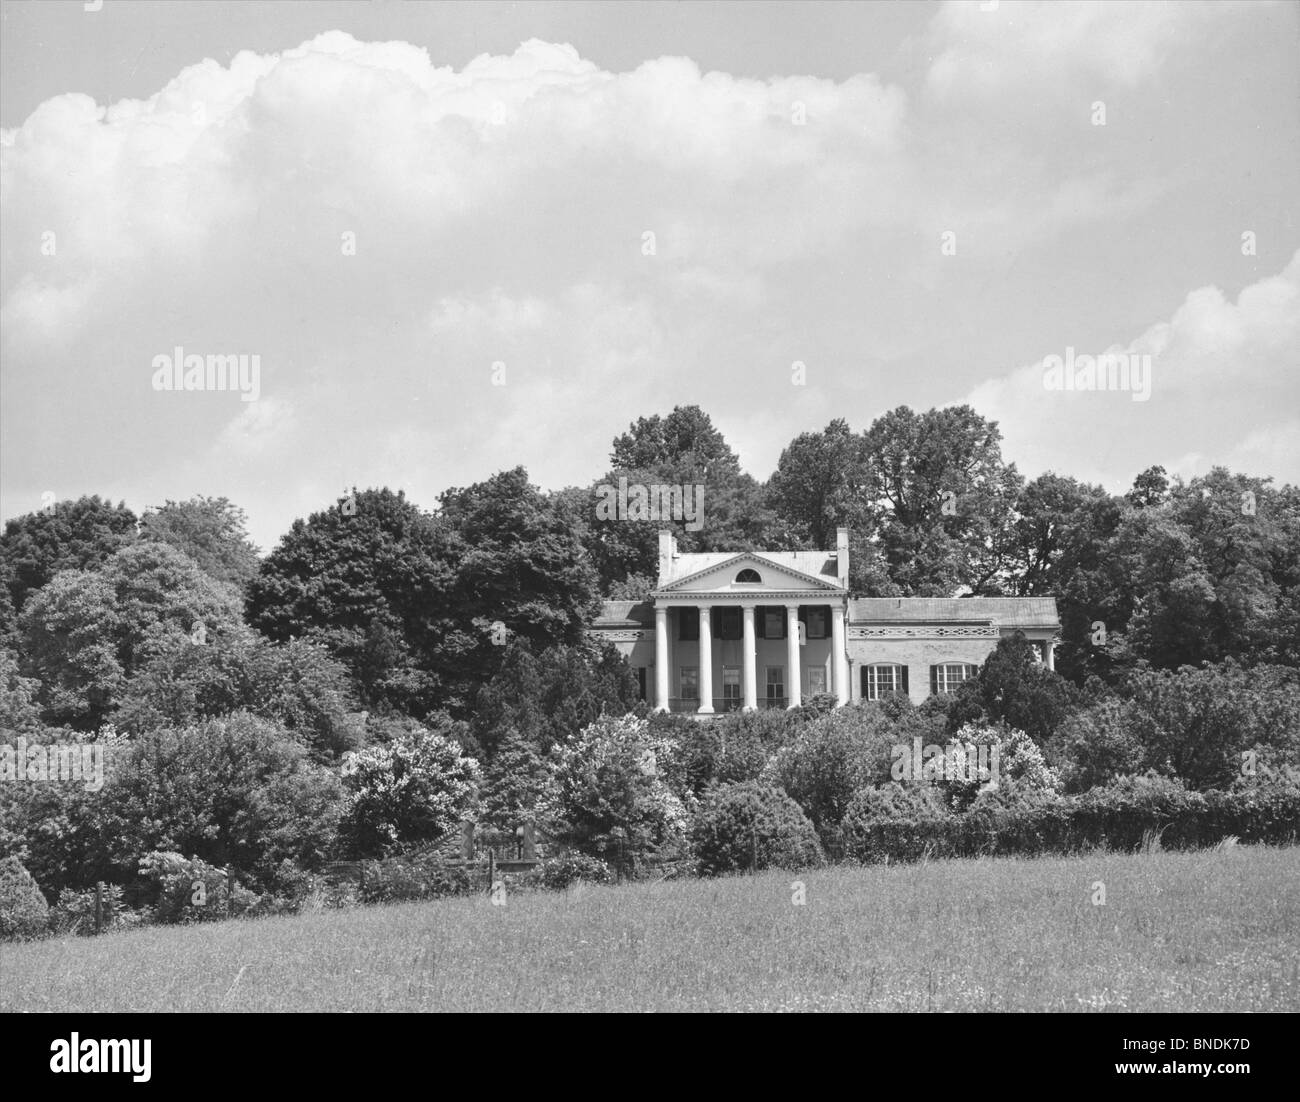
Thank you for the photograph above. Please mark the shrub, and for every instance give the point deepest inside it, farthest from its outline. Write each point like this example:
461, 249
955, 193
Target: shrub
186, 890
235, 792
1119, 814
752, 825
397, 879
415, 789
1019, 760
895, 822
74, 913
24, 913
611, 783
1016, 817
559, 873
1095, 747
830, 759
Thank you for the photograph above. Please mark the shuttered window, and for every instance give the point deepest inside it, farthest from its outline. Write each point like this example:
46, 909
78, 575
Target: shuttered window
946, 676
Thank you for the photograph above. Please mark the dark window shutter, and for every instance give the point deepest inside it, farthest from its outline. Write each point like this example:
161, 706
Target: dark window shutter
934, 680
904, 677
760, 623
866, 688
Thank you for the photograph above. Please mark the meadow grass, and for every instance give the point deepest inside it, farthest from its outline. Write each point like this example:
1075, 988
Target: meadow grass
1203, 931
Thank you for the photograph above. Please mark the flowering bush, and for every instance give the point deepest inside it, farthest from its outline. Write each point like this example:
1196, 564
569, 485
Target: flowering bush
414, 789
611, 779
1019, 759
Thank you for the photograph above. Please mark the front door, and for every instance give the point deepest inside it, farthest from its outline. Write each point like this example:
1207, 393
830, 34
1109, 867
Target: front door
816, 680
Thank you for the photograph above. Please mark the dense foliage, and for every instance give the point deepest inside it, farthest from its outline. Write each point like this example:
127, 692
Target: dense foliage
388, 672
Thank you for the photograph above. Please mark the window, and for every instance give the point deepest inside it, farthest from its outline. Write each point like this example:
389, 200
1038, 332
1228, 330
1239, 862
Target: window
881, 681
945, 678
729, 624
690, 683
818, 621
816, 680
688, 624
775, 682
749, 577
731, 687
640, 682
773, 623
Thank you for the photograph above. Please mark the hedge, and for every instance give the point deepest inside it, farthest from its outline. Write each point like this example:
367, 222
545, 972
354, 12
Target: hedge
906, 824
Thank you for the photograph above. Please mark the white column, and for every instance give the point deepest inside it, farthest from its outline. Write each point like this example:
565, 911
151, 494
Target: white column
706, 661
751, 660
793, 690
661, 658
839, 656
1051, 654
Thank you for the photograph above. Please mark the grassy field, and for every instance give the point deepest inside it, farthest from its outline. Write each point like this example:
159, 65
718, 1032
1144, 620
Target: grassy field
1196, 931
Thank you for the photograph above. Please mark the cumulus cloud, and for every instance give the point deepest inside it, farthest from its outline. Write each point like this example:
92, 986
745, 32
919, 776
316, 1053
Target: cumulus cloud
1223, 388
382, 230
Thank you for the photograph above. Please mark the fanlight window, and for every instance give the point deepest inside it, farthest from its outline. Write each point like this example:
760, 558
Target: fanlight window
748, 575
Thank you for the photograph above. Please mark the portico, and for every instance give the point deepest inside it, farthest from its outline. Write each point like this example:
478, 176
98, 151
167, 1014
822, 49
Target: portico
766, 632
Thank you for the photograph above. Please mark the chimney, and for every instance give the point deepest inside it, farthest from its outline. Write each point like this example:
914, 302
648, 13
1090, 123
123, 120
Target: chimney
842, 555
667, 552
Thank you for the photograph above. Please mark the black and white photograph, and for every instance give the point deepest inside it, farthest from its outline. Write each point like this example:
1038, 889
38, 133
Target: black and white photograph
650, 506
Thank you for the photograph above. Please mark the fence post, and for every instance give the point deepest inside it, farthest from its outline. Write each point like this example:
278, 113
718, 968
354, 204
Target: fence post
229, 890
753, 864
99, 906
492, 869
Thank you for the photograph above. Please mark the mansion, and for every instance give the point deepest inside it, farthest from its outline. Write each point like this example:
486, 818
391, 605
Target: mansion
724, 631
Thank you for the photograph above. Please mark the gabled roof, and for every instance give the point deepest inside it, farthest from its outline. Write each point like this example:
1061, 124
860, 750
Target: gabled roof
814, 564
784, 563
1007, 612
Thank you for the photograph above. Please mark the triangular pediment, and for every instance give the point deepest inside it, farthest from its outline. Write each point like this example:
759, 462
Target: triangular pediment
774, 578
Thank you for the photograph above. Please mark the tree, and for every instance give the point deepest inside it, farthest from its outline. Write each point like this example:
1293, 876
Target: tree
296, 684
517, 784
371, 579
1015, 688
212, 531
682, 447
943, 499
70, 535
821, 483
86, 633
1150, 488
522, 569
413, 790
547, 697
1197, 724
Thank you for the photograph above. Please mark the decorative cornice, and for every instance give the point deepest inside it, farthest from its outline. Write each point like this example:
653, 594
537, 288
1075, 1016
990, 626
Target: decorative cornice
926, 631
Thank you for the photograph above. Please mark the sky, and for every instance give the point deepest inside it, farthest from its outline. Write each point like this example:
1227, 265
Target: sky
463, 237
